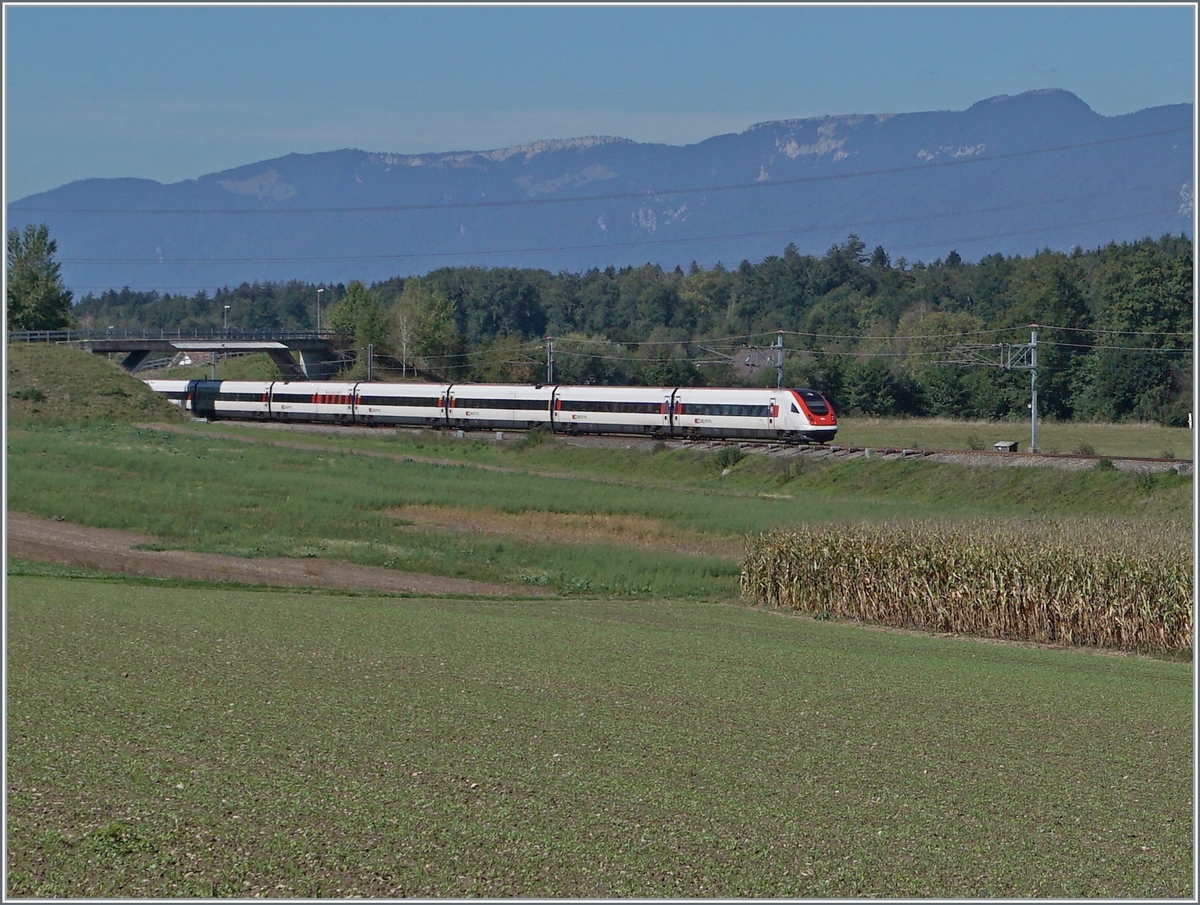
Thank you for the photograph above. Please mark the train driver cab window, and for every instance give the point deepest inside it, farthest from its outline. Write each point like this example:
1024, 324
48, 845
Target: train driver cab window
794, 409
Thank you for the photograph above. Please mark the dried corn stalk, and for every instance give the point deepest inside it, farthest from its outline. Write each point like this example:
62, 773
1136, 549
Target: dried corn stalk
1099, 583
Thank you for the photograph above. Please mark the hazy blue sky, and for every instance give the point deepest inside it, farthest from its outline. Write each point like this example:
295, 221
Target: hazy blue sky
172, 92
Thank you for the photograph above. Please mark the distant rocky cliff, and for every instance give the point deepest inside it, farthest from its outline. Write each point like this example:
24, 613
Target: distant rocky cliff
1009, 175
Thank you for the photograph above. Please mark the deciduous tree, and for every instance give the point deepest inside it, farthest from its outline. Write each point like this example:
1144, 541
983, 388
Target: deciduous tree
432, 331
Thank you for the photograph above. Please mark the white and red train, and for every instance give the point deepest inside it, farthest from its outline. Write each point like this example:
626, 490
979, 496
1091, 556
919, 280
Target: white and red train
787, 415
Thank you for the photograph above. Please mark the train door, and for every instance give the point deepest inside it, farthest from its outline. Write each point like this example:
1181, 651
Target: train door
772, 414
204, 398
666, 414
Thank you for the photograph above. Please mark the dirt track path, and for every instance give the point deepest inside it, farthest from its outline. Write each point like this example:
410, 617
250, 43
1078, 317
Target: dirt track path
47, 540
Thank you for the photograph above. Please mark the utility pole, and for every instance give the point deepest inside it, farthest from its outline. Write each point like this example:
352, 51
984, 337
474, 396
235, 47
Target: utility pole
1033, 446
779, 360
225, 333
1011, 357
549, 359
319, 291
370, 362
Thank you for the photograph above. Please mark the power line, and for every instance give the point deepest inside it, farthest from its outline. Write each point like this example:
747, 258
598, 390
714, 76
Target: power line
605, 245
770, 334
1118, 332
955, 335
937, 356
617, 196
1039, 229
564, 345
959, 335
1096, 348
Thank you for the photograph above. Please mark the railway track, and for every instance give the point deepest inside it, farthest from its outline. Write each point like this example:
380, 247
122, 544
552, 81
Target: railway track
1072, 461
980, 457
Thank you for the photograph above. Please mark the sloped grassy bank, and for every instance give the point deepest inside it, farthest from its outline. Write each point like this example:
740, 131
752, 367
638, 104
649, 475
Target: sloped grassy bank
54, 385
1092, 582
197, 490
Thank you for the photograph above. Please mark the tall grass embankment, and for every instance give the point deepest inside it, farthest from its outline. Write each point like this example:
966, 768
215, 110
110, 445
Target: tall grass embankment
1094, 583
55, 385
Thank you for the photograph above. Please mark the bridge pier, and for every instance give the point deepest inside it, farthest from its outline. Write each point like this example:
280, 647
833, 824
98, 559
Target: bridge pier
134, 360
318, 364
286, 364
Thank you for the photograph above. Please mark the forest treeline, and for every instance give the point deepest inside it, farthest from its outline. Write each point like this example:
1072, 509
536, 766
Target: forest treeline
878, 337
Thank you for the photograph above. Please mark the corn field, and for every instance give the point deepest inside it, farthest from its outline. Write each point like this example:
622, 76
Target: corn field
1097, 583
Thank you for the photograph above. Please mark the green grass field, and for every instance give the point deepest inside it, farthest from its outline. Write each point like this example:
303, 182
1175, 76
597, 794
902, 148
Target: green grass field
199, 490
646, 733
1150, 441
168, 741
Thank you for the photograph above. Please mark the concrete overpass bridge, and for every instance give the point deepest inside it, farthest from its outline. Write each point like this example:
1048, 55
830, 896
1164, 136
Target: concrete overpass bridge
299, 354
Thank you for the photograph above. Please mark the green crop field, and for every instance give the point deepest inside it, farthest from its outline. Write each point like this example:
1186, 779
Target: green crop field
222, 742
645, 732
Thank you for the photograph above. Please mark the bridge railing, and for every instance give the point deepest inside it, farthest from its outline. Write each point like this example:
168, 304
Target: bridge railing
75, 336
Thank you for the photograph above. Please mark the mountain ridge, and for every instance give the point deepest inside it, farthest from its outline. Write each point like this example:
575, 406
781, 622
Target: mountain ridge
1010, 174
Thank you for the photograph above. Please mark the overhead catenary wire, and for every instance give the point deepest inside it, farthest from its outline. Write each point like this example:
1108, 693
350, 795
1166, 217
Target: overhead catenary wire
1120, 332
1097, 348
936, 356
